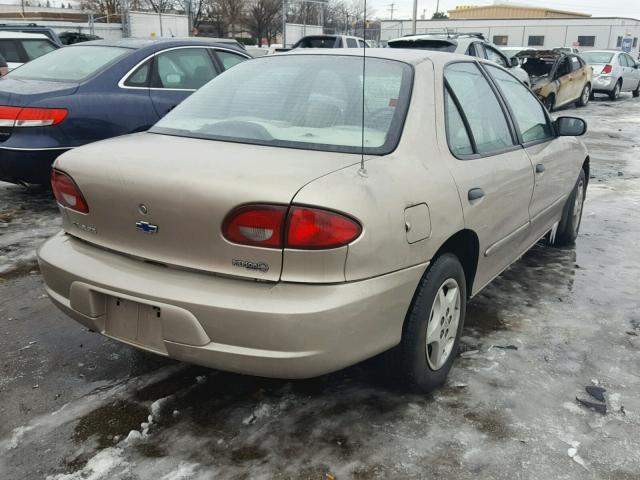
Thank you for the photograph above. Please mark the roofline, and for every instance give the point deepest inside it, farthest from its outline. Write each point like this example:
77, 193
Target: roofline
503, 19
519, 7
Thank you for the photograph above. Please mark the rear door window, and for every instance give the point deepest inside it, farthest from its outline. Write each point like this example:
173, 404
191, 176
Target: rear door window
183, 68
575, 64
9, 50
480, 107
37, 48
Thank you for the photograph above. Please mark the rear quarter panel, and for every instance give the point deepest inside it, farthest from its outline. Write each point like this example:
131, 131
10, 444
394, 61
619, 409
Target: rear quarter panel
411, 175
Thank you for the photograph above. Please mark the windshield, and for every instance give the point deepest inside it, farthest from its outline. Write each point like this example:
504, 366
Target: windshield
70, 63
300, 101
594, 58
434, 45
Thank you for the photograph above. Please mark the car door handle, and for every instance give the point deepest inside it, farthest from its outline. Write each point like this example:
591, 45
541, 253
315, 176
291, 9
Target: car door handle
539, 168
475, 194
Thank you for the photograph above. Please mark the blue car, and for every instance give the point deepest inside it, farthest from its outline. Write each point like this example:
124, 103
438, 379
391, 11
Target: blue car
96, 90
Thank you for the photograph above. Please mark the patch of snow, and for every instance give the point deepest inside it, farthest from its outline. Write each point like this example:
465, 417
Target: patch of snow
184, 471
105, 465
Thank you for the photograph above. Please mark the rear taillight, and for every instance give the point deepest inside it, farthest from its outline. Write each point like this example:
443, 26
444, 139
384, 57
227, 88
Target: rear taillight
311, 228
31, 117
607, 69
275, 226
67, 192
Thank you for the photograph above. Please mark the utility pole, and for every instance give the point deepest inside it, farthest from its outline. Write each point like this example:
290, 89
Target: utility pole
284, 23
437, 6
414, 19
390, 9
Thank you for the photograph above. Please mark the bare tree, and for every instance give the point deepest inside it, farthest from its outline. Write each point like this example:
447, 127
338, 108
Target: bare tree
264, 19
102, 7
232, 12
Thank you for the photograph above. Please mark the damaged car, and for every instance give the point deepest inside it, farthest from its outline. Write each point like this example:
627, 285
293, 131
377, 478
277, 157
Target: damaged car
557, 78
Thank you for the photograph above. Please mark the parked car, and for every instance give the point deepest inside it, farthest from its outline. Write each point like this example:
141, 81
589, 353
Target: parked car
330, 41
96, 90
511, 52
558, 78
4, 67
32, 28
18, 48
473, 44
287, 238
573, 50
613, 72
69, 38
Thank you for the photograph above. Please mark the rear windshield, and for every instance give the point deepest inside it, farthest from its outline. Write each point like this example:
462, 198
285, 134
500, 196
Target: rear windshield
314, 102
70, 63
435, 45
316, 42
594, 58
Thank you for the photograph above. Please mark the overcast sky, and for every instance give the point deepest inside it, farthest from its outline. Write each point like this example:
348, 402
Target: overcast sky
597, 8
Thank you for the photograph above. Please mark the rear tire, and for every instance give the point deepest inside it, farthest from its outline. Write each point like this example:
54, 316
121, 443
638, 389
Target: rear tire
615, 93
585, 96
572, 214
433, 326
636, 92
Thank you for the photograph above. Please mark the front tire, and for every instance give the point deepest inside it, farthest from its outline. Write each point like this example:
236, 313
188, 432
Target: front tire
584, 98
572, 214
615, 93
636, 92
433, 326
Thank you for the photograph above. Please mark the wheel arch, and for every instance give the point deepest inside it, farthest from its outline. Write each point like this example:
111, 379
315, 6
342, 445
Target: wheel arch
586, 166
465, 245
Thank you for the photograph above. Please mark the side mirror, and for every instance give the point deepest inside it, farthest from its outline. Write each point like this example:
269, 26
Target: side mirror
514, 62
570, 127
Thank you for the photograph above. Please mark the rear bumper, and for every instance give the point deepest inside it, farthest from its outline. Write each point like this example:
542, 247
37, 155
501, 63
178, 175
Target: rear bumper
283, 330
603, 83
24, 165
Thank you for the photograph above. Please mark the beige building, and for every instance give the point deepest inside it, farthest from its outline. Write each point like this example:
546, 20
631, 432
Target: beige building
491, 12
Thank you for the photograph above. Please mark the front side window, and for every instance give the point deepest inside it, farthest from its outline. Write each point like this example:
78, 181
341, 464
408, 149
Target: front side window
494, 56
229, 59
184, 68
37, 48
312, 102
536, 41
527, 112
72, 64
480, 106
352, 43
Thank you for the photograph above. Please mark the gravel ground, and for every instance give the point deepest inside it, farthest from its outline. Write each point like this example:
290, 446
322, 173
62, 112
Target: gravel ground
74, 405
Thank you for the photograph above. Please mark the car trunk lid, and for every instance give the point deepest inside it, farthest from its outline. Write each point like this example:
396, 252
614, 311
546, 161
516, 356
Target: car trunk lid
164, 199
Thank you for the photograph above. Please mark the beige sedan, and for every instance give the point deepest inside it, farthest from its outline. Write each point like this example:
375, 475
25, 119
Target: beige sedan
260, 228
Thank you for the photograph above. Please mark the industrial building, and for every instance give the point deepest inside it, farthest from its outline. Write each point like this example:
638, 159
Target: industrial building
501, 11
583, 32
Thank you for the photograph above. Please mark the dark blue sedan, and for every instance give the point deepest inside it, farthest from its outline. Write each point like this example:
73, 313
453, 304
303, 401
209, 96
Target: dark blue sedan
96, 90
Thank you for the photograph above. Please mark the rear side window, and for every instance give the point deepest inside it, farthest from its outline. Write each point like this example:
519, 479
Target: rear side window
457, 134
184, 68
229, 59
140, 78
70, 63
9, 50
351, 43
37, 48
527, 112
480, 107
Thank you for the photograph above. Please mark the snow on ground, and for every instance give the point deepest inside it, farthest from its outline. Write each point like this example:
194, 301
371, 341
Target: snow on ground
557, 321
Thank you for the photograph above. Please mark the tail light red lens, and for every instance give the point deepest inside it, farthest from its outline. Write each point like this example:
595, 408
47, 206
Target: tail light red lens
607, 69
67, 192
259, 225
31, 117
273, 226
312, 228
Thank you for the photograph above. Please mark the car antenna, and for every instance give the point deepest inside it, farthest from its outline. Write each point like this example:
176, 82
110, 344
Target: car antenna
363, 170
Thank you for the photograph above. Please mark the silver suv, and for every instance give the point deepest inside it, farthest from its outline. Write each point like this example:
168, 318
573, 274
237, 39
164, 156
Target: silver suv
473, 44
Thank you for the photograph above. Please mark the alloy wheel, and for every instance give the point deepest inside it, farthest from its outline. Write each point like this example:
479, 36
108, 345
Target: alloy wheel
442, 327
577, 207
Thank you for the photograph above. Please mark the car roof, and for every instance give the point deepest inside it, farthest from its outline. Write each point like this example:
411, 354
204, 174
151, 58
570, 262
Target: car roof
140, 43
407, 55
15, 34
